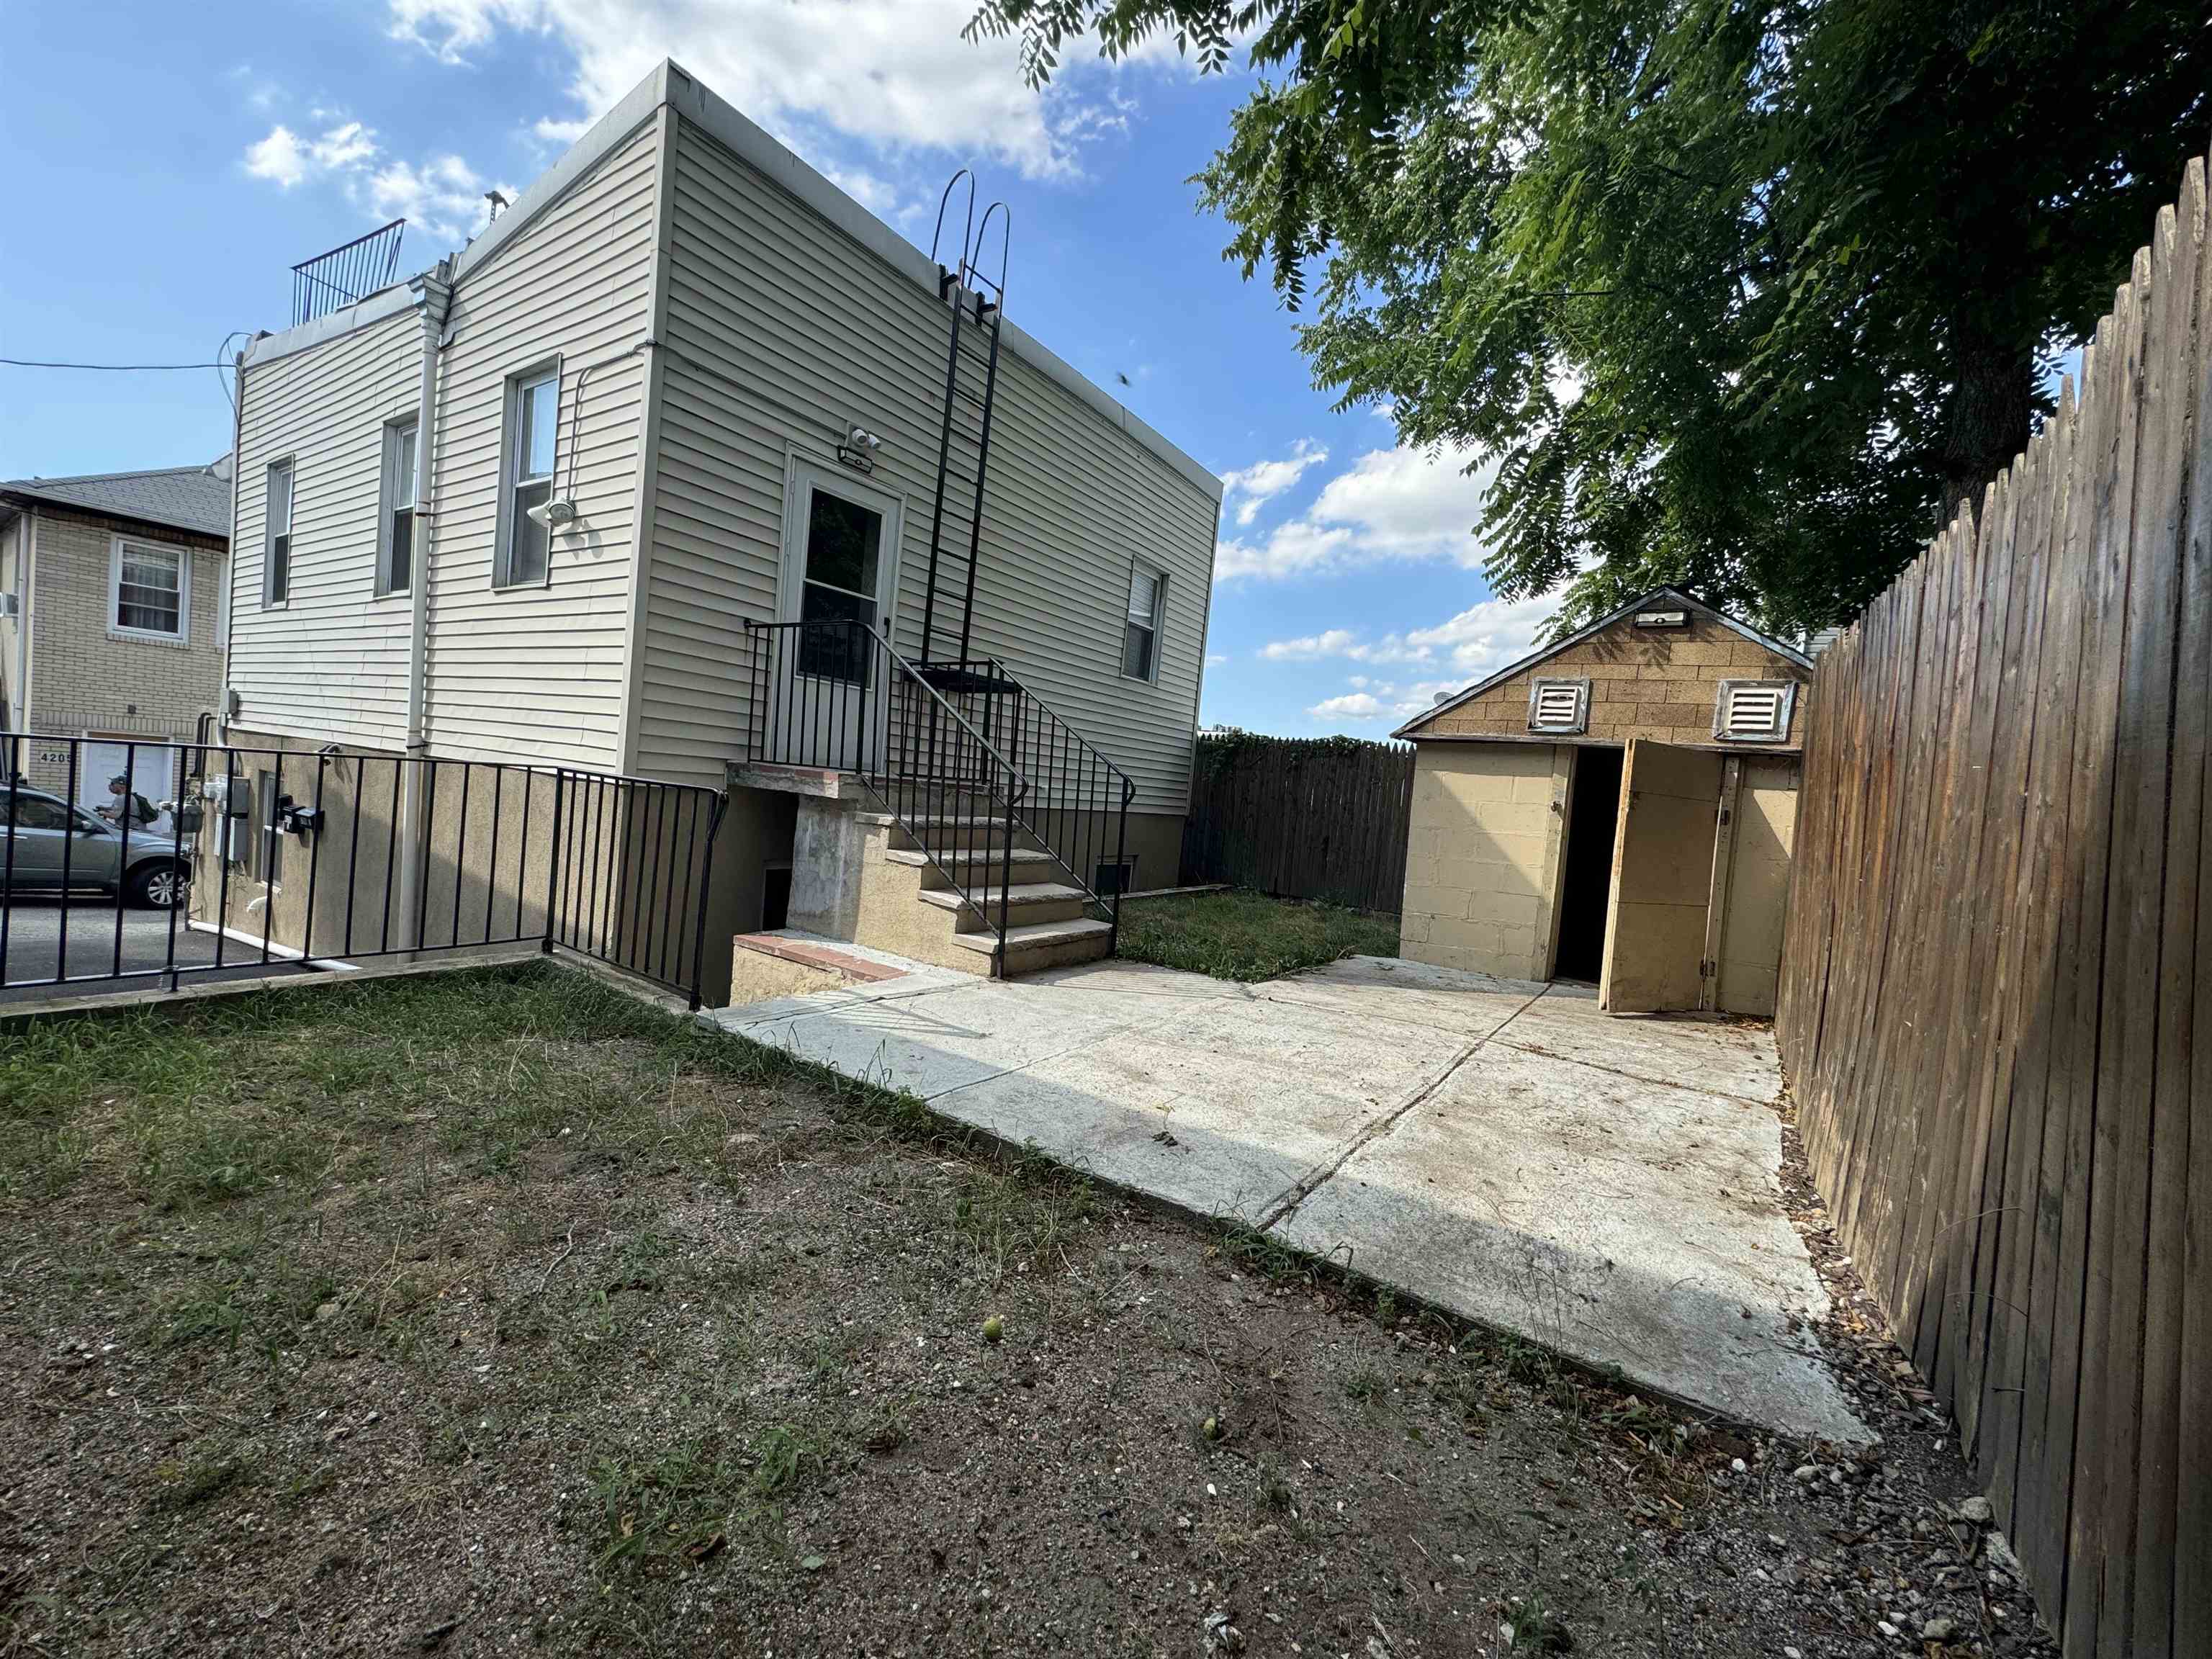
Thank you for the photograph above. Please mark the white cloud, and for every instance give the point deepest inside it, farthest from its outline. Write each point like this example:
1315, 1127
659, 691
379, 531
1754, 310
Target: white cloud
1253, 487
441, 197
1214, 659
1357, 706
444, 198
285, 159
1473, 645
1395, 703
1406, 504
279, 158
894, 73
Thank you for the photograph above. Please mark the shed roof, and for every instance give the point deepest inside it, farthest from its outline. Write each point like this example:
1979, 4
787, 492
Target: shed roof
195, 498
1657, 597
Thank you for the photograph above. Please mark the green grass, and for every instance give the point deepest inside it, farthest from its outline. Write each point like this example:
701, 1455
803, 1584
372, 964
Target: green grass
1249, 936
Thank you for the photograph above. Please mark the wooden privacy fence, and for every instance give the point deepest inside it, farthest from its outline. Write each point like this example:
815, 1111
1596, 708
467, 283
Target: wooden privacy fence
1994, 1005
1310, 818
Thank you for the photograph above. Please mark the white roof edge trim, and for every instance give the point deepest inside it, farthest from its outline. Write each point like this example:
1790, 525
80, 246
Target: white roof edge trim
1408, 730
361, 313
704, 108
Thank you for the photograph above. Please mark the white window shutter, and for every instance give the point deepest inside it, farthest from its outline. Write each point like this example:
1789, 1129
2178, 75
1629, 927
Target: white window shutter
1558, 707
1753, 711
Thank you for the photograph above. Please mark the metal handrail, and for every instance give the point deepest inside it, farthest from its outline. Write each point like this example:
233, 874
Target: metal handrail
912, 673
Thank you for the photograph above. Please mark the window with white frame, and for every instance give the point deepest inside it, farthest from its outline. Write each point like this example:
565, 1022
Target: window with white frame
534, 419
395, 525
277, 536
1140, 629
149, 590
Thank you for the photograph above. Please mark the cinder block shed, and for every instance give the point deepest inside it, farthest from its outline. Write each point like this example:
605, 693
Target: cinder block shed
1618, 808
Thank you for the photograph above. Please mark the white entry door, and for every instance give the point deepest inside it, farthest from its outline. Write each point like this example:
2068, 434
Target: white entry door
151, 767
841, 540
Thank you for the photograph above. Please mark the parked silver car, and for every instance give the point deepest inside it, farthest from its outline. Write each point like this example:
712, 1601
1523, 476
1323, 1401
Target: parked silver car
44, 826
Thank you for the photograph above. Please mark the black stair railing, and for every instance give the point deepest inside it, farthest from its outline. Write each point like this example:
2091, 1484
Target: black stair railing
832, 694
1077, 804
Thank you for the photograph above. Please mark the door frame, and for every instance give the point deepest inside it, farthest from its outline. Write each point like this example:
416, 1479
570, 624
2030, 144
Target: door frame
803, 472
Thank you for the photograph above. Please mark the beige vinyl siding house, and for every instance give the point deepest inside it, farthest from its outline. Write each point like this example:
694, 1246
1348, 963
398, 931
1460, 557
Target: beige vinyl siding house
781, 323
717, 319
329, 662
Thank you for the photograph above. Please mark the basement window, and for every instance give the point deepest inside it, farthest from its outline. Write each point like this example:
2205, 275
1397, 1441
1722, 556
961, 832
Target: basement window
1559, 707
1753, 711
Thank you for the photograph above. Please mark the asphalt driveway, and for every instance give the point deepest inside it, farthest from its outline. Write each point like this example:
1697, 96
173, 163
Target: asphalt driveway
1608, 1186
34, 948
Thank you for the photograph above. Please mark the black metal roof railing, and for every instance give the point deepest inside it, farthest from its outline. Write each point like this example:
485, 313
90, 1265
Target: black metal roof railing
330, 282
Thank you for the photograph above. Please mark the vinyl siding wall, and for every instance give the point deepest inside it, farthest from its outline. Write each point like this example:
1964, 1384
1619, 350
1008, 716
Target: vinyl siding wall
783, 333
538, 672
330, 664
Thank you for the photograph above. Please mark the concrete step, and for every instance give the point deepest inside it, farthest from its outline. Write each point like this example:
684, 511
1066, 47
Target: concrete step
963, 833
1036, 903
1044, 944
987, 863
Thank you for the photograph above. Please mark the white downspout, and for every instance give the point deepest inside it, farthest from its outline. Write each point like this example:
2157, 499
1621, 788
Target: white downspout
414, 839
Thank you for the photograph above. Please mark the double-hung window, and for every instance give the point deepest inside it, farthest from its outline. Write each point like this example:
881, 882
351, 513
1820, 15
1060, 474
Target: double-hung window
395, 528
533, 420
149, 590
277, 536
1140, 631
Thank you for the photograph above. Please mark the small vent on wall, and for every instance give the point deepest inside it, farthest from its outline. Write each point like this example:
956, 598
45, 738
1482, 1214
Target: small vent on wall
1753, 711
1560, 706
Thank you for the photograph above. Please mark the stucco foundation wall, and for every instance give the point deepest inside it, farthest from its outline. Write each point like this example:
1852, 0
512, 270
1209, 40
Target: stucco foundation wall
1759, 886
624, 880
1482, 860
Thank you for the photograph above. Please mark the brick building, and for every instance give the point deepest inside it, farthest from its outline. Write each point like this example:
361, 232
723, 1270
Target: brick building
1617, 808
112, 620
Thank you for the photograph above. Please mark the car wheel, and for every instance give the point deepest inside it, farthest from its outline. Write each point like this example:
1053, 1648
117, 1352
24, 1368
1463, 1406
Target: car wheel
157, 886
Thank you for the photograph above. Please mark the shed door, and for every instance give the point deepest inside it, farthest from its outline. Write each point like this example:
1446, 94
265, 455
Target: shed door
1662, 879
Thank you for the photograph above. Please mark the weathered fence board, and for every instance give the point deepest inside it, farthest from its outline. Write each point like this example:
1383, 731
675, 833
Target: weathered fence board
1312, 818
1993, 1011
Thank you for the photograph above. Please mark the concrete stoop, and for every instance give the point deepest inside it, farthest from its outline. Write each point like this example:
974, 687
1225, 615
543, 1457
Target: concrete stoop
860, 875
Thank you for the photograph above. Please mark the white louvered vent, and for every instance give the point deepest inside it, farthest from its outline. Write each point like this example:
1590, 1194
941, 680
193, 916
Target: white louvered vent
1559, 706
1753, 711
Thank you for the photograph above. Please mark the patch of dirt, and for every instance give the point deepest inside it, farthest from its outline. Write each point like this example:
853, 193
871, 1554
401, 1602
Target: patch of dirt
712, 1373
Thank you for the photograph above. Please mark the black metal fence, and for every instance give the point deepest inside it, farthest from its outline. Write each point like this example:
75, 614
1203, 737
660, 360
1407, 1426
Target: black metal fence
961, 753
252, 858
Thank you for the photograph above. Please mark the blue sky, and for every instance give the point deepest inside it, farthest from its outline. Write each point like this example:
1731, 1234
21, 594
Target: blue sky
169, 164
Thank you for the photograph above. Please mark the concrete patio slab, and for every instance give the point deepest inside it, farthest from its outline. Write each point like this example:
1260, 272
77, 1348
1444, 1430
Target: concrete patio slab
1618, 1222
1608, 1187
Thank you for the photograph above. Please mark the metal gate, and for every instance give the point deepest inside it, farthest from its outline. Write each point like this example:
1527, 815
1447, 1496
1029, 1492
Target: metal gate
258, 861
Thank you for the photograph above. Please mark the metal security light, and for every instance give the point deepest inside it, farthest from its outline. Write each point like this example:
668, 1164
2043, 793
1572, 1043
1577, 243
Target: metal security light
858, 449
552, 514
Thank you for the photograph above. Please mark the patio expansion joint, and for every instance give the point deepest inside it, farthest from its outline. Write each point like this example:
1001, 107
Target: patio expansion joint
1307, 1185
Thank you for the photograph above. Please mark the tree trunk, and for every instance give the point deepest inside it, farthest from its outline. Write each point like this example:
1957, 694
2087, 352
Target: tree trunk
1986, 417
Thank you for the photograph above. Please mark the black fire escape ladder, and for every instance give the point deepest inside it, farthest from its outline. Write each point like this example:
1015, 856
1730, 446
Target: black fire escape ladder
975, 301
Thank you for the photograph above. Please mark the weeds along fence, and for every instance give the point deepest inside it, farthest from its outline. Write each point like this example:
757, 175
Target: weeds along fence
1310, 818
204, 860
1996, 999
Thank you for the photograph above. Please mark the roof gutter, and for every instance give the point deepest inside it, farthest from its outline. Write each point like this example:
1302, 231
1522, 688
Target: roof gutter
434, 292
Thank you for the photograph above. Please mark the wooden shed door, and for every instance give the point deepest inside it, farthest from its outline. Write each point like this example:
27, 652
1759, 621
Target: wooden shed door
1662, 879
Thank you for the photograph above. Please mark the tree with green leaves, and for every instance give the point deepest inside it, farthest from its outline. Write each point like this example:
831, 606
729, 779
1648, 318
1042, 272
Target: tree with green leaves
1748, 298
